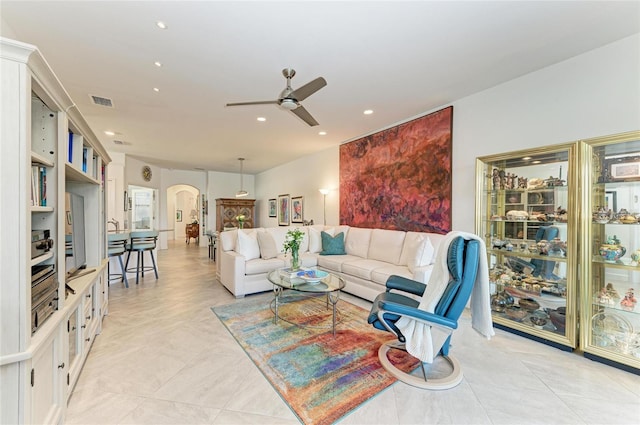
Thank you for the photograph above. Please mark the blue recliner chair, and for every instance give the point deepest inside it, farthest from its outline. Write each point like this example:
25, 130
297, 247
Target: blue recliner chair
389, 307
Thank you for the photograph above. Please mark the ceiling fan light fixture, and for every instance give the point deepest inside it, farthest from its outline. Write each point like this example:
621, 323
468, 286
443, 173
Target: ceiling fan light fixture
241, 193
289, 104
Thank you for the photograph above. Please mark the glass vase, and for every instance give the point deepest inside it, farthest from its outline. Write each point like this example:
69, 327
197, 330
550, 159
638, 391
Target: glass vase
295, 260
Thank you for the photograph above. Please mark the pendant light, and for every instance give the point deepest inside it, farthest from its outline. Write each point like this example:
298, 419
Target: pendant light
241, 193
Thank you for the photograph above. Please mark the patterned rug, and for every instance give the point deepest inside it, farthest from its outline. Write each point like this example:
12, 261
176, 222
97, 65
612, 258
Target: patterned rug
320, 377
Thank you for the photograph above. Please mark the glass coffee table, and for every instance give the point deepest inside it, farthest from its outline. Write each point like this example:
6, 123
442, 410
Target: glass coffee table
331, 285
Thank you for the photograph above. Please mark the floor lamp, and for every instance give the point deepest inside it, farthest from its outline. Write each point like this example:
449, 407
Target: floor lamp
324, 192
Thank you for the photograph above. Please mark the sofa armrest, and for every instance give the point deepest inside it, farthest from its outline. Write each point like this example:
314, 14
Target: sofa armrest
232, 271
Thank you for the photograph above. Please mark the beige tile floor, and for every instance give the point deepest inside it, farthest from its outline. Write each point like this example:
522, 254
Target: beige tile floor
164, 358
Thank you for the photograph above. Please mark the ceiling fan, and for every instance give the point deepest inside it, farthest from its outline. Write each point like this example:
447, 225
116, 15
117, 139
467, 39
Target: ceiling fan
290, 99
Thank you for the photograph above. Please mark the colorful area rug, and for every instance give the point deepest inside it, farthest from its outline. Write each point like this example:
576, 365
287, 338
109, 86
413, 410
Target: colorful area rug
320, 377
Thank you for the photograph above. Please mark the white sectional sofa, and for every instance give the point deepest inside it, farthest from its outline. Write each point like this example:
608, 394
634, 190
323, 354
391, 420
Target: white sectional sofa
372, 255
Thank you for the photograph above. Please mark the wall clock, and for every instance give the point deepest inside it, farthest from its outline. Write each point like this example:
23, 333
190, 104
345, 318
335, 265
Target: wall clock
146, 173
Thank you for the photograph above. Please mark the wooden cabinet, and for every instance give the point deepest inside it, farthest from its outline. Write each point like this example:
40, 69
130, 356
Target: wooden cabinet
48, 150
227, 209
192, 231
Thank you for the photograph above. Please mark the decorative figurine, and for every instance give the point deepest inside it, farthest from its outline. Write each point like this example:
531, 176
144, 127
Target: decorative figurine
522, 182
629, 301
612, 250
611, 291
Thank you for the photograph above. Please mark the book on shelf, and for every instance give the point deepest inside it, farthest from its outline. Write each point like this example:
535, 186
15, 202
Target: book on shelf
70, 147
38, 186
35, 185
84, 159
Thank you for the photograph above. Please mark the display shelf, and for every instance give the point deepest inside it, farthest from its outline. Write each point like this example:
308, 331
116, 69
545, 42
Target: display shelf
528, 220
610, 236
39, 209
41, 259
39, 159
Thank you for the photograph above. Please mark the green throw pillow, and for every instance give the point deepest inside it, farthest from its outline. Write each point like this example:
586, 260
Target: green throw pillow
332, 245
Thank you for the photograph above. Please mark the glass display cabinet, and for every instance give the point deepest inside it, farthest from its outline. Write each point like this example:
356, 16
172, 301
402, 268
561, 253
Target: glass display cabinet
610, 237
526, 212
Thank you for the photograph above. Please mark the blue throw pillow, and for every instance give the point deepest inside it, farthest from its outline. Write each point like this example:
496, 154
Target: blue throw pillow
332, 245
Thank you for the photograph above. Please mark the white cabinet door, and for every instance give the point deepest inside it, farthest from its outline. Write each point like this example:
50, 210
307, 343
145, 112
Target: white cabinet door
47, 368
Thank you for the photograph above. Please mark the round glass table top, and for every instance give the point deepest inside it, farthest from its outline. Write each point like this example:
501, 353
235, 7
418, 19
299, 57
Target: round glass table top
329, 283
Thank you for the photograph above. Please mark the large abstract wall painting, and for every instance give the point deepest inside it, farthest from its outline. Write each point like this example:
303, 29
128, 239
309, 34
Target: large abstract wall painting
400, 178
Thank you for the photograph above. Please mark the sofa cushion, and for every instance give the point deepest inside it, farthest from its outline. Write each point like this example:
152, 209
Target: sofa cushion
412, 241
335, 262
422, 255
380, 275
267, 245
228, 240
279, 234
362, 268
357, 242
315, 240
332, 245
304, 244
386, 245
259, 265
247, 245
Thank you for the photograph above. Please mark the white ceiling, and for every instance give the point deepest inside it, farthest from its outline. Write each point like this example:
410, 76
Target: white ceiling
400, 59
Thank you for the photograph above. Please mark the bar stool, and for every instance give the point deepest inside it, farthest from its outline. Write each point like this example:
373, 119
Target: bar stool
213, 242
140, 242
118, 246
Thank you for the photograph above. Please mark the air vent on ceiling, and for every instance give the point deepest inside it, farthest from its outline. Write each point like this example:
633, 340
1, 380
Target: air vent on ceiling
102, 101
121, 142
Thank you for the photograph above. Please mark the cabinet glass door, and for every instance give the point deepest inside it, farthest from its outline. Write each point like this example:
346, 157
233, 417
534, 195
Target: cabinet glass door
526, 214
611, 240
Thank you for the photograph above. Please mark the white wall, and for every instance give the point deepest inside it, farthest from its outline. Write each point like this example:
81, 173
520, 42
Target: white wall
169, 178
594, 94
225, 185
302, 177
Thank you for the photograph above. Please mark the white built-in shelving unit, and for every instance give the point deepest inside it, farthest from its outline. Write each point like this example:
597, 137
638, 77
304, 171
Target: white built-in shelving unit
39, 365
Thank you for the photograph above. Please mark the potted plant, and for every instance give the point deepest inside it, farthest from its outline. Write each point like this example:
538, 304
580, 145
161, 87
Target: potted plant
240, 219
292, 244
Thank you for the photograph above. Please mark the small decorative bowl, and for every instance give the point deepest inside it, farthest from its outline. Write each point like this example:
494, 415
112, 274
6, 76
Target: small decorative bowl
538, 322
529, 304
312, 276
516, 313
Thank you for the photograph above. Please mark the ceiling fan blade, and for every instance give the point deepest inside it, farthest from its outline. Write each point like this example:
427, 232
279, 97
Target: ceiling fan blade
308, 89
260, 102
304, 115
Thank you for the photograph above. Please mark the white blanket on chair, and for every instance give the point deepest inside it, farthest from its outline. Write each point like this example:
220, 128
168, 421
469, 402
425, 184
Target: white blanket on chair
423, 341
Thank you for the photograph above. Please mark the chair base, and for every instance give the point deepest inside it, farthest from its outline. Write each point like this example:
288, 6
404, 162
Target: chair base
445, 383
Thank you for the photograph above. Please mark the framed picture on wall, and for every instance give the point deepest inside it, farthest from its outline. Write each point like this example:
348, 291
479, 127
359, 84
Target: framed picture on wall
273, 207
178, 215
297, 204
283, 210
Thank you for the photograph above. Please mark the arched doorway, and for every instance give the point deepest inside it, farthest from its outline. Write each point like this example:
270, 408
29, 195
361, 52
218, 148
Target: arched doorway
183, 207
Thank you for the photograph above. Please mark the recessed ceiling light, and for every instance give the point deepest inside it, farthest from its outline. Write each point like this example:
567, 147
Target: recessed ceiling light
158, 64
526, 158
162, 25
155, 89
322, 133
368, 112
109, 133
536, 162
262, 119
